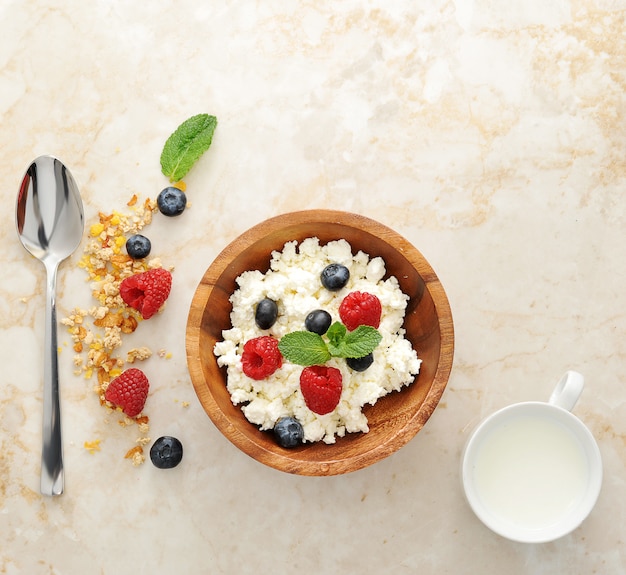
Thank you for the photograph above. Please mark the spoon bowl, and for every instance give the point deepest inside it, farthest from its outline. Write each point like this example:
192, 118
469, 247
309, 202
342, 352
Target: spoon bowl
50, 225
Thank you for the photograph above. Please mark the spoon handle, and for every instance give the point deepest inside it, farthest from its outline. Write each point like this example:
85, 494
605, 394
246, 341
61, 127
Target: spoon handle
52, 478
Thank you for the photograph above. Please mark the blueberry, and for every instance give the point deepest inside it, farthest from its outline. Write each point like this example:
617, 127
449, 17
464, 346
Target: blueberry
318, 321
266, 313
166, 452
360, 363
138, 246
172, 201
288, 432
335, 276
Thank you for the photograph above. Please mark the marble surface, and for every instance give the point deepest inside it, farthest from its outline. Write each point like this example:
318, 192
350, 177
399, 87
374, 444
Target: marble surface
490, 134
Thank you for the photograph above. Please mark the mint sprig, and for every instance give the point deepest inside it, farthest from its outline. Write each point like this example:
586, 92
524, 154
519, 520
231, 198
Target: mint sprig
308, 348
185, 146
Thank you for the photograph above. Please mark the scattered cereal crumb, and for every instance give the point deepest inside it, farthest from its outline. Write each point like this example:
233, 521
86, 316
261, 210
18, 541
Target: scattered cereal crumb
185, 404
138, 353
92, 446
132, 451
135, 454
97, 333
155, 263
138, 459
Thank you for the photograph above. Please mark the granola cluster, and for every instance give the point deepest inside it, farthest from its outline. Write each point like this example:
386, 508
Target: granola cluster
97, 333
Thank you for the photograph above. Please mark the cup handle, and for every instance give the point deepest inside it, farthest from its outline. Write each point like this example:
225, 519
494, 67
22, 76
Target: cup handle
567, 390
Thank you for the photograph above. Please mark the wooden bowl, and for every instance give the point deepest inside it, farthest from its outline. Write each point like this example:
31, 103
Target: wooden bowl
395, 418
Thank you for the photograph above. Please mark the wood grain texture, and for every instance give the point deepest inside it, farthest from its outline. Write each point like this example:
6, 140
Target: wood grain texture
396, 418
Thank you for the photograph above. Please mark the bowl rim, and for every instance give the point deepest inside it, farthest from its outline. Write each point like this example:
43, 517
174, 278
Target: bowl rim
289, 461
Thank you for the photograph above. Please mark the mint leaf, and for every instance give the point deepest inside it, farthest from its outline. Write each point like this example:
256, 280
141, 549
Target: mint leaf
185, 146
360, 342
335, 334
304, 348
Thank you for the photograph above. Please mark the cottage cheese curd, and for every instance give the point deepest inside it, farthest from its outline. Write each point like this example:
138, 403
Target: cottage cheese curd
293, 281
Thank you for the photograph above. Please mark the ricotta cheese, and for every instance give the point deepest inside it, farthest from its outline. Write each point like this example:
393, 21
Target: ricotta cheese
293, 282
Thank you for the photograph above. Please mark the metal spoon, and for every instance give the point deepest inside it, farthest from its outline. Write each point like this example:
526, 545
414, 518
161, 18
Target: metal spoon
50, 224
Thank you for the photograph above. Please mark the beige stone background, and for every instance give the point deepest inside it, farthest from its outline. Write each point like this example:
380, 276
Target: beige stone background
491, 135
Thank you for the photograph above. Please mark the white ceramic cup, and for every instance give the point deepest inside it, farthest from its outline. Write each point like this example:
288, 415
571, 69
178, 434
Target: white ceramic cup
532, 471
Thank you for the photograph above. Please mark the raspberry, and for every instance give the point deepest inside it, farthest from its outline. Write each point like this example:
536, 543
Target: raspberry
129, 391
360, 308
261, 357
321, 388
147, 291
